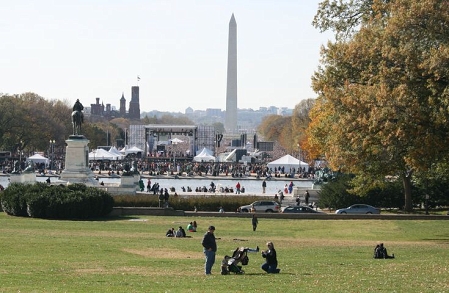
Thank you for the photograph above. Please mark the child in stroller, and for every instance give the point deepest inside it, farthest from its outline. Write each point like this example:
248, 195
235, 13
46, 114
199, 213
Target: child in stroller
231, 263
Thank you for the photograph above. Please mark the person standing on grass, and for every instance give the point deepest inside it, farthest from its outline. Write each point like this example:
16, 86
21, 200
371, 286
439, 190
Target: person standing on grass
254, 221
209, 249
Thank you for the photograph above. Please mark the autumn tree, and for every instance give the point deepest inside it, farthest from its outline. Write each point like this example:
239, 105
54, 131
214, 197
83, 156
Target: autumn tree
32, 120
383, 104
299, 123
272, 126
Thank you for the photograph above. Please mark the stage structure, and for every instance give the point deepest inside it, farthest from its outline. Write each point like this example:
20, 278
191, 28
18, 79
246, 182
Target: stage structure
149, 137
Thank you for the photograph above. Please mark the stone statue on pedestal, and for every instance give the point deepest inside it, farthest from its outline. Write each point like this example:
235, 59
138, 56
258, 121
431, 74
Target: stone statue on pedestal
77, 117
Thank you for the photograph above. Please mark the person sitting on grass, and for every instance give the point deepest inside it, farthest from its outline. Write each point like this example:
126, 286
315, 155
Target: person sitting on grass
180, 233
170, 232
190, 227
381, 252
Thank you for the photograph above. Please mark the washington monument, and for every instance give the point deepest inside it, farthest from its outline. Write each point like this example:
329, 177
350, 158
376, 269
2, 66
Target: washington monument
231, 88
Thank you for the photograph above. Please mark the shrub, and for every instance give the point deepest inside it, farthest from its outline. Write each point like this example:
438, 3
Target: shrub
13, 200
56, 201
202, 203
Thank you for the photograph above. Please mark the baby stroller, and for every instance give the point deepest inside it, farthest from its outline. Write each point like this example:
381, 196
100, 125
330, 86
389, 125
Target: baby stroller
230, 264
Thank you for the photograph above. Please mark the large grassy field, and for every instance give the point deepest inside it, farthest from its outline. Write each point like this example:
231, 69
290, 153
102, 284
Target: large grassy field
133, 255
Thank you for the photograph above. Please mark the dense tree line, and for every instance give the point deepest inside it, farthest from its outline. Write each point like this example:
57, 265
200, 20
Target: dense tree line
29, 121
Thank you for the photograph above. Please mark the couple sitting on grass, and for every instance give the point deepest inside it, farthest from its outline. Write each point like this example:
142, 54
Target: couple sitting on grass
381, 252
179, 233
191, 227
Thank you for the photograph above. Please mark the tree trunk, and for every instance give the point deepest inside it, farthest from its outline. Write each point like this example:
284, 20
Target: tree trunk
406, 180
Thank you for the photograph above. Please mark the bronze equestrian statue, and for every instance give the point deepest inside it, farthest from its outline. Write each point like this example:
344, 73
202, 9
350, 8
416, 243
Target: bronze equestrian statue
77, 117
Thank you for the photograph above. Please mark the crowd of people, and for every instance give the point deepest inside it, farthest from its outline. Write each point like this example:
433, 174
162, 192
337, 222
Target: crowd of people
188, 168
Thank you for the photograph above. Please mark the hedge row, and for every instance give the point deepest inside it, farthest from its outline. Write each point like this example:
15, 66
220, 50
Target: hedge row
202, 203
40, 200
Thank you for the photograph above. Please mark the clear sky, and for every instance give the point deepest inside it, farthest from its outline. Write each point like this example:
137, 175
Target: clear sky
84, 49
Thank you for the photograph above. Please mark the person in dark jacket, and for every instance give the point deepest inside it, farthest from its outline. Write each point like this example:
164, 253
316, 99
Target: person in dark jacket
381, 252
271, 262
254, 221
209, 249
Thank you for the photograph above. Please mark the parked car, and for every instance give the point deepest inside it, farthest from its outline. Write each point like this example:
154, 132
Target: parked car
266, 206
300, 210
359, 209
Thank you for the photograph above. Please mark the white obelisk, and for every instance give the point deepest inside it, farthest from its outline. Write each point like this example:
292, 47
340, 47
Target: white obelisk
231, 89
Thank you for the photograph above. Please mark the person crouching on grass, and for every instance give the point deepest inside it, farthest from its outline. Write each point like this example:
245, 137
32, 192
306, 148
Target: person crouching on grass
271, 262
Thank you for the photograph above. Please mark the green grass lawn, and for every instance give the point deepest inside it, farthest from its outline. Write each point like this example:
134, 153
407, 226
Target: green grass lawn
133, 255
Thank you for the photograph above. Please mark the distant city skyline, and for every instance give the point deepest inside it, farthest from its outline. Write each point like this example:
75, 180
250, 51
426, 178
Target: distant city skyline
68, 51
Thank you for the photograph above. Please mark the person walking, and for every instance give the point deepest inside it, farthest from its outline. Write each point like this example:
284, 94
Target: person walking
148, 185
290, 187
161, 198
264, 185
237, 188
209, 249
306, 197
254, 221
166, 197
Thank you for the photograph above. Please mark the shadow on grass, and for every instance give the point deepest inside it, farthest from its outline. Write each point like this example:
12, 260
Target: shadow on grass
265, 274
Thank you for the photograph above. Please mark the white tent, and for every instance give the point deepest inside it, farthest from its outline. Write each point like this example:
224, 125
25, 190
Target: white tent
101, 154
116, 153
204, 156
133, 150
205, 150
37, 159
288, 162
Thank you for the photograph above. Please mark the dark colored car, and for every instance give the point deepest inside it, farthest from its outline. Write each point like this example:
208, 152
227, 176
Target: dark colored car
300, 210
359, 209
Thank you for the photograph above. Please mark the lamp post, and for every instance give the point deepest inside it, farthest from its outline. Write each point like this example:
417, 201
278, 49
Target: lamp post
125, 136
20, 155
299, 158
427, 204
174, 153
52, 151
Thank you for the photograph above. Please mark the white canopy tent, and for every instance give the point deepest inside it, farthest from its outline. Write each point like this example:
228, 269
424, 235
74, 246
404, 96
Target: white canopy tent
101, 154
133, 150
116, 152
288, 162
204, 156
38, 159
205, 150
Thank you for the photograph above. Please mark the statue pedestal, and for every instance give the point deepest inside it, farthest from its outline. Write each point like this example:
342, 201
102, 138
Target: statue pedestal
77, 162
